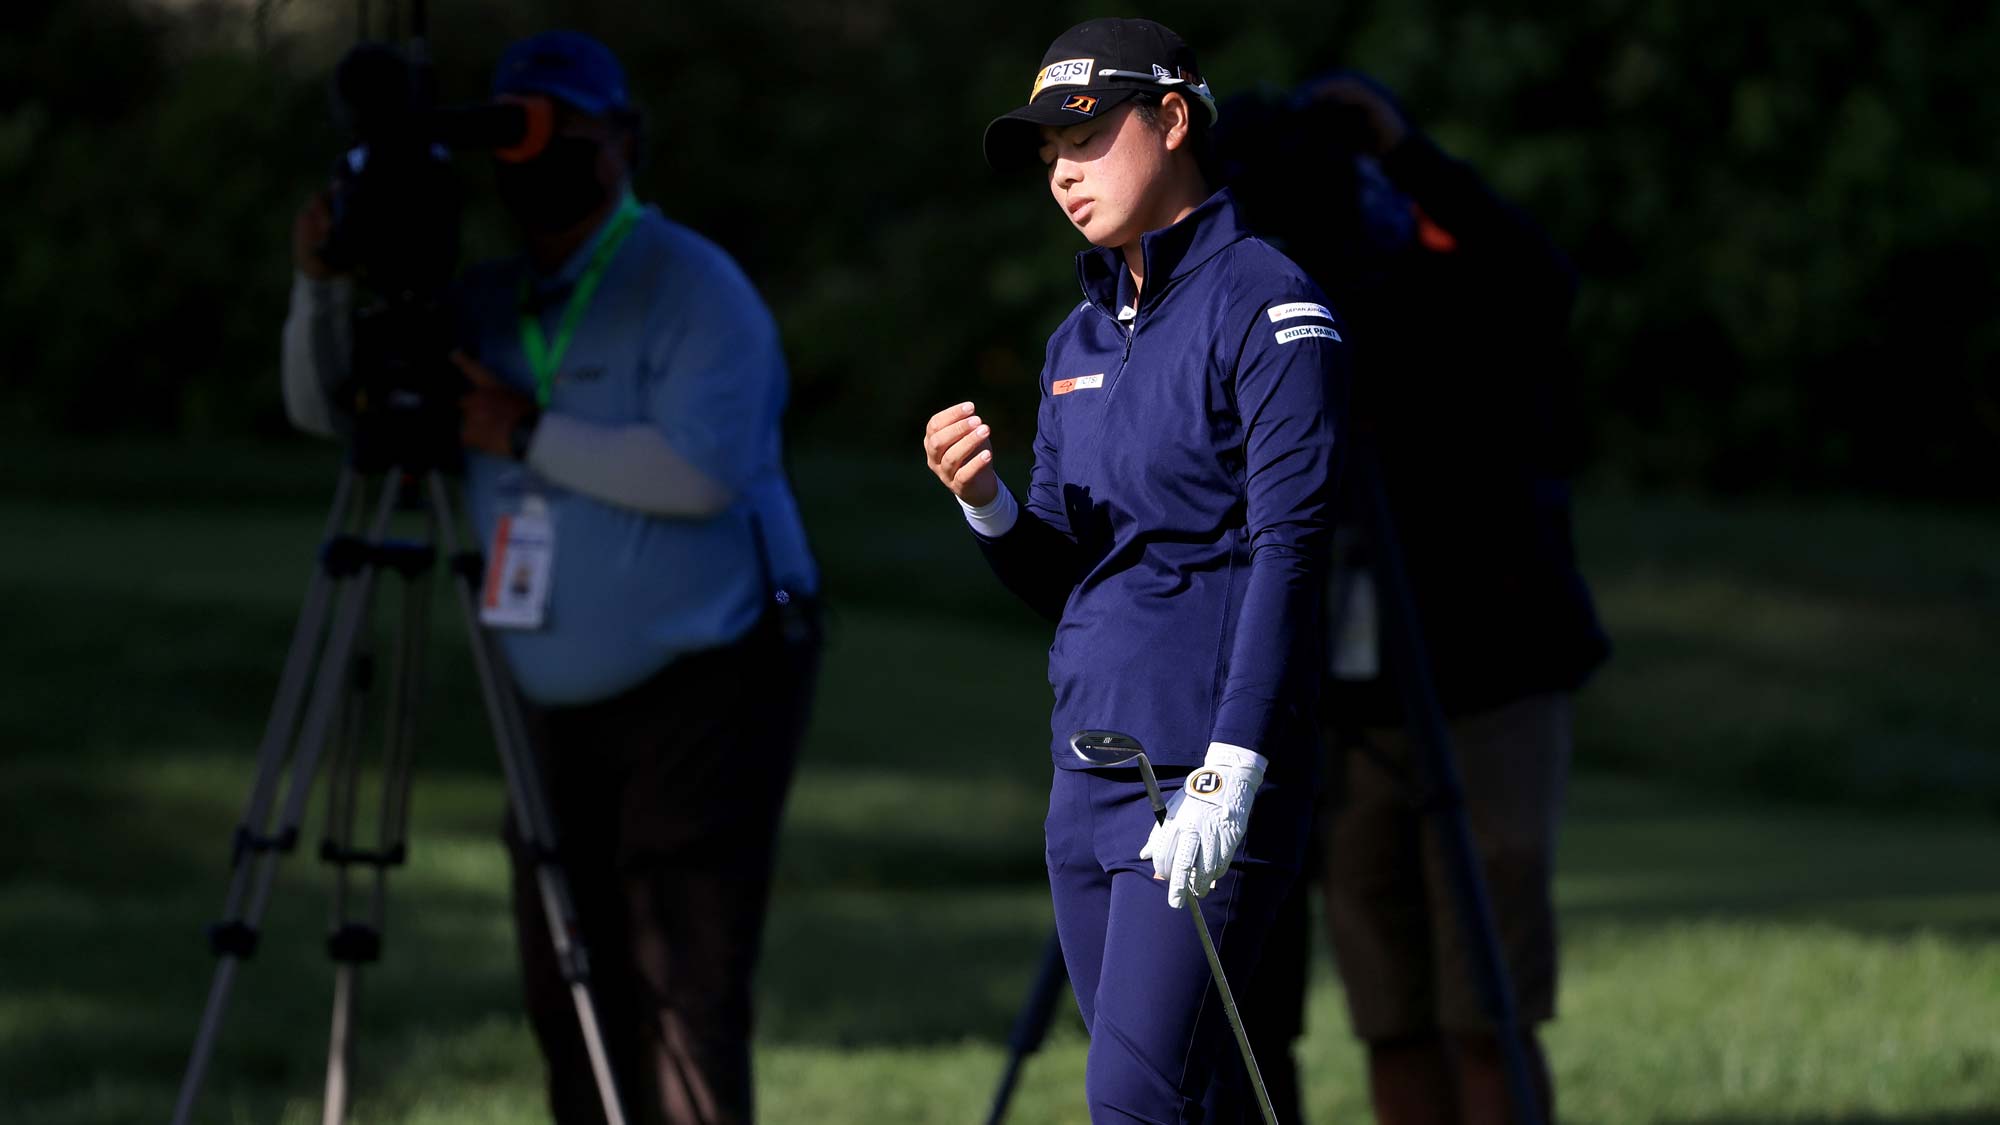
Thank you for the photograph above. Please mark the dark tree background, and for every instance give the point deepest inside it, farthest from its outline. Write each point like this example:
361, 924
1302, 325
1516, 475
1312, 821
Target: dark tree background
1785, 213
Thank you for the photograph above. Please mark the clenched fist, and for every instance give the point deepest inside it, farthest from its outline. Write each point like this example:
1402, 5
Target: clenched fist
958, 447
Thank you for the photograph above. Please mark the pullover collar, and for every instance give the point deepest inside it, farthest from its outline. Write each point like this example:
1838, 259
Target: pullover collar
1170, 254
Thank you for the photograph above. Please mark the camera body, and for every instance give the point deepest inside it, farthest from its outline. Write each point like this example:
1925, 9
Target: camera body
1305, 173
1293, 167
397, 209
395, 199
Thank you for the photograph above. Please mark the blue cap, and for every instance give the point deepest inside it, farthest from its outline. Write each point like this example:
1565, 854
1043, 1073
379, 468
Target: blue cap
564, 64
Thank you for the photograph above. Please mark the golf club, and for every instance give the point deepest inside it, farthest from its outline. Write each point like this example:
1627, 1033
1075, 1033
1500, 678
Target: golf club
1109, 748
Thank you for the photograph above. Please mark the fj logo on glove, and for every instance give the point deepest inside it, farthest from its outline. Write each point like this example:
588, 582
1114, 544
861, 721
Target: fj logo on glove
1204, 782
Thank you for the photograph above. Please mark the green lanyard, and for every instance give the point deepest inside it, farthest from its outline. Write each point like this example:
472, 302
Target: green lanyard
544, 360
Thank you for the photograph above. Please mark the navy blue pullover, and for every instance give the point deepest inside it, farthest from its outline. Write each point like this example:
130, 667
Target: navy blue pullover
1177, 523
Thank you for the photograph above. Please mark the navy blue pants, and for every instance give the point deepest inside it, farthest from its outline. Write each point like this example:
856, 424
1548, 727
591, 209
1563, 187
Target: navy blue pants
1155, 1019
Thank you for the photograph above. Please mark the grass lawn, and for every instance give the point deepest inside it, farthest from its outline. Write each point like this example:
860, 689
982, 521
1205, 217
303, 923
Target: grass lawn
1780, 880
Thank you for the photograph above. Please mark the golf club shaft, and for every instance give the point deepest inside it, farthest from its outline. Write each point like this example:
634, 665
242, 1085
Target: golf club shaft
1214, 959
1152, 789
1229, 1010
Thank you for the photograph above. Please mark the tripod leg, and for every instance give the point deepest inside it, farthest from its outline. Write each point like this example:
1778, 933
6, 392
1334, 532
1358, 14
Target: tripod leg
254, 846
1032, 1024
340, 1044
295, 677
532, 818
326, 701
1438, 775
204, 1037
293, 681
406, 687
336, 847
356, 943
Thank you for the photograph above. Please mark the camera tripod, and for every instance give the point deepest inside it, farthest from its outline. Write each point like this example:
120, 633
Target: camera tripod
322, 702
1435, 789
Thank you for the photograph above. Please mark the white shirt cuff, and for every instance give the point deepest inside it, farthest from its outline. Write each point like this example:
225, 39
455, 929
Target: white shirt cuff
996, 517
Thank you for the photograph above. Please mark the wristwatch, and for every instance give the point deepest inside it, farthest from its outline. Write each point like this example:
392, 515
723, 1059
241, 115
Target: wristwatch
523, 434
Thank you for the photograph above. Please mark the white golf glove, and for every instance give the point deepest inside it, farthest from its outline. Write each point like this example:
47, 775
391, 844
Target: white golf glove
1205, 822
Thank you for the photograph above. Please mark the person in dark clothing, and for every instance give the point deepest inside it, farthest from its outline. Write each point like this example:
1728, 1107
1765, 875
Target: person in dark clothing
1175, 529
1460, 307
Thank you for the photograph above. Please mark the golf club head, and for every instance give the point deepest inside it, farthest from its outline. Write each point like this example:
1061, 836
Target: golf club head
1105, 747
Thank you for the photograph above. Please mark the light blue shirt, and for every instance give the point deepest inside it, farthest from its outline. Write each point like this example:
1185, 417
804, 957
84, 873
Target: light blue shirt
675, 337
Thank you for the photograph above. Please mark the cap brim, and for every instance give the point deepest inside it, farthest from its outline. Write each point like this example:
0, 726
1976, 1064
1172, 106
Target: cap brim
1013, 137
584, 101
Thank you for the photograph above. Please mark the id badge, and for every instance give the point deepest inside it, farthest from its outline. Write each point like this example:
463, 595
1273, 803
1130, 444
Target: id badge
520, 566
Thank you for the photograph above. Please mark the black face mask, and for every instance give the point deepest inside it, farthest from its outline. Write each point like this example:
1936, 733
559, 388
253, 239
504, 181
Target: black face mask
556, 189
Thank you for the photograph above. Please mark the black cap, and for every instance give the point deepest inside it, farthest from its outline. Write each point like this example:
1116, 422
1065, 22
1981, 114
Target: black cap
1088, 70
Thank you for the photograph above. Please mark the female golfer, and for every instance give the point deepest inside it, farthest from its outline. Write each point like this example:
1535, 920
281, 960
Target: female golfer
1174, 529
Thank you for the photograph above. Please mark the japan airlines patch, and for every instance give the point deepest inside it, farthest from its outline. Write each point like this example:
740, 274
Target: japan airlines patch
1298, 309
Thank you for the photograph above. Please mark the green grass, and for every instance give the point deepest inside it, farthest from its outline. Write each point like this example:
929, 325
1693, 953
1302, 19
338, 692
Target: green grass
1734, 951
1828, 650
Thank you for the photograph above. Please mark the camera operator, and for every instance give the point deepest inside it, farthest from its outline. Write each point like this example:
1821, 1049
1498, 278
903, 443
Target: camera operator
1460, 308
623, 394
